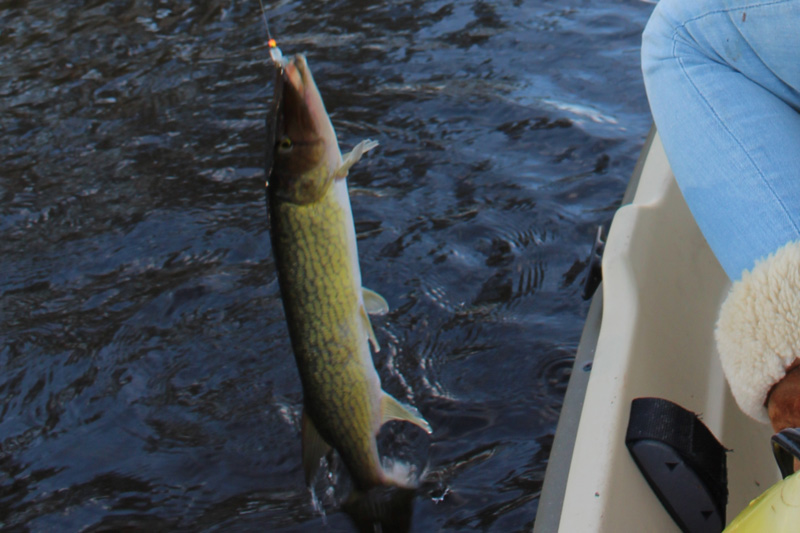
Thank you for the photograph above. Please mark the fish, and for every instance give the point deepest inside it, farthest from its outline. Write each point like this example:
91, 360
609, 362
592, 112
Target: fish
327, 309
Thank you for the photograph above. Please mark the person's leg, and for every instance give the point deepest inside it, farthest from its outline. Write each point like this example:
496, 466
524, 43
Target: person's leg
723, 81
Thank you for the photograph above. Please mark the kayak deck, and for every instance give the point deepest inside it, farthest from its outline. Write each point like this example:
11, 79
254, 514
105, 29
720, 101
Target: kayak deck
660, 295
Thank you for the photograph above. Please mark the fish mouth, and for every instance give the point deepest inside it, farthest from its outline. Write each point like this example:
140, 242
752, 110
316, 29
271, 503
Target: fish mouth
297, 74
304, 114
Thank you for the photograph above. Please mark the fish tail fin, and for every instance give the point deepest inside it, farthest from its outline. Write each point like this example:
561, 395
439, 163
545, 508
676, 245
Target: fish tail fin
381, 508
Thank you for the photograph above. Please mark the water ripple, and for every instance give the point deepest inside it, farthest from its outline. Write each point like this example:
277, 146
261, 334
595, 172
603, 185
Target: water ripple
148, 381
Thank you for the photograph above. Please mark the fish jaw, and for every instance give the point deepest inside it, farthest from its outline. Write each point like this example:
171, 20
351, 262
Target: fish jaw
306, 154
307, 101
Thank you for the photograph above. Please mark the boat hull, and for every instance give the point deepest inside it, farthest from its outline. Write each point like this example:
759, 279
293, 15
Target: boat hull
661, 292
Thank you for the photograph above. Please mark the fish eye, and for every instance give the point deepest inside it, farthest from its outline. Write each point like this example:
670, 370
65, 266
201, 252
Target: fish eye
285, 144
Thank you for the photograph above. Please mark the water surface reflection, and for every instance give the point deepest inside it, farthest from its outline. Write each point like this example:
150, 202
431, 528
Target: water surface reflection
147, 379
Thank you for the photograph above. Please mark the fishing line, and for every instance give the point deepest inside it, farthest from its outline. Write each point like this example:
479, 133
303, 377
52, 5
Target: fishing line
274, 52
266, 25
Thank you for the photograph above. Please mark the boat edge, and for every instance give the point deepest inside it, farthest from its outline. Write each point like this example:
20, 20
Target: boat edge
551, 500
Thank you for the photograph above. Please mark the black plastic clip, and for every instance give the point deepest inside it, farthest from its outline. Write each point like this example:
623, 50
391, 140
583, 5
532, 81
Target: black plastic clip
786, 448
682, 461
595, 274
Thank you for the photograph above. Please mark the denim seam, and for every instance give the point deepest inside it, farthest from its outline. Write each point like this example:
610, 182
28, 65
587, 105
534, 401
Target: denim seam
729, 10
732, 10
764, 63
717, 117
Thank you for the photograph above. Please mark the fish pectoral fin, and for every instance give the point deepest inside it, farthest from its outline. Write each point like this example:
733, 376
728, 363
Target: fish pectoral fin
374, 302
314, 448
370, 332
352, 157
391, 409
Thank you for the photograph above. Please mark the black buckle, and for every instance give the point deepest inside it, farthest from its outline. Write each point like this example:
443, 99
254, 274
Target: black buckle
595, 274
786, 448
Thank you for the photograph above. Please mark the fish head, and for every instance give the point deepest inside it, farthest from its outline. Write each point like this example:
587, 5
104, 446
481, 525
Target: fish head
305, 153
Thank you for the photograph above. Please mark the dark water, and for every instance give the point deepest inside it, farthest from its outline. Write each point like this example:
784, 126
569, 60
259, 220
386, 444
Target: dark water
147, 380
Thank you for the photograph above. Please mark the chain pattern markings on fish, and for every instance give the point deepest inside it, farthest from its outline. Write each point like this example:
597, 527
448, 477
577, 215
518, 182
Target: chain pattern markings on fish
313, 239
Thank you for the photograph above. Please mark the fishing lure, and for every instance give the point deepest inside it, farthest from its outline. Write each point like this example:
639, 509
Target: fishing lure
274, 52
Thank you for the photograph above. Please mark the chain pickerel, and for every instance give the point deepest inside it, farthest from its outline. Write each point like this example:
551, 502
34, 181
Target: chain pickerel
314, 244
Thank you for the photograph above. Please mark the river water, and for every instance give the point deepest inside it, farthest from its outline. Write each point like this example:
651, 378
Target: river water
147, 381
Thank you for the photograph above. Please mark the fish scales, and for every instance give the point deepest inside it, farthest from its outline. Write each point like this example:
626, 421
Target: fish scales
322, 307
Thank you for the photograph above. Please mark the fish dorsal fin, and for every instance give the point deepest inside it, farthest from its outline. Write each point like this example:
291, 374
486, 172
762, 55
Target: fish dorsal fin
374, 302
370, 332
314, 448
391, 409
352, 157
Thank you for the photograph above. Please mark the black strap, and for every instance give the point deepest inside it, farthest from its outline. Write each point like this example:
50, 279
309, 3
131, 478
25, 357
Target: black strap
682, 461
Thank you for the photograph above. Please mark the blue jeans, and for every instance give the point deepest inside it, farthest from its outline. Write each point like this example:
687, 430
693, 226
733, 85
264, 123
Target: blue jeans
723, 81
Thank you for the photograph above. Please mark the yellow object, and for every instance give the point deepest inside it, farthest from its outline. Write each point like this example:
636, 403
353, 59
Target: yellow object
777, 510
314, 243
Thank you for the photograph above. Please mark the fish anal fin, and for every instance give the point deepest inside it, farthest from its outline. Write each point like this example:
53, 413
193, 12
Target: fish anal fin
374, 302
391, 409
314, 448
352, 157
370, 332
